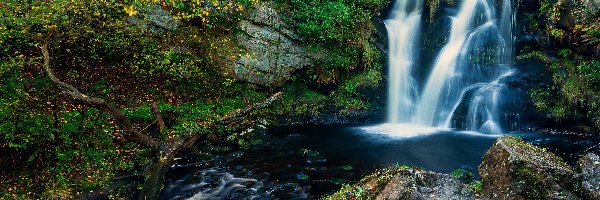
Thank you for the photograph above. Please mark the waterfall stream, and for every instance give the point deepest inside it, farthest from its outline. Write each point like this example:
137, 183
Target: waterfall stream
403, 32
477, 54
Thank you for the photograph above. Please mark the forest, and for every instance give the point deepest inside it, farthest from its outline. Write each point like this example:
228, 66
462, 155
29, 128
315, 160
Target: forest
118, 99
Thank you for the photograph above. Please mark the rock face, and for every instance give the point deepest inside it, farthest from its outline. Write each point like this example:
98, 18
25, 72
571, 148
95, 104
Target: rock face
589, 168
416, 184
512, 169
273, 52
155, 18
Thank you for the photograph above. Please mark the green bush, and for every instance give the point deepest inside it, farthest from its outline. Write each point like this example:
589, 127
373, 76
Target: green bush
576, 82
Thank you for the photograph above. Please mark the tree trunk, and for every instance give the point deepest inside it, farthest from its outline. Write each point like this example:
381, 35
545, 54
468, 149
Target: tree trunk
155, 176
130, 133
156, 173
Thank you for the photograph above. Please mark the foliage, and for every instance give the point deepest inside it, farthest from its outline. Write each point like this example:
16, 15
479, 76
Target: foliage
477, 187
99, 47
299, 100
577, 82
96, 47
585, 29
73, 147
339, 34
461, 174
591, 36
207, 12
573, 67
353, 94
350, 97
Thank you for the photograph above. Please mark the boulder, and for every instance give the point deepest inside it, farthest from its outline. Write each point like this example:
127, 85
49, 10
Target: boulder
418, 184
401, 182
272, 50
513, 169
589, 172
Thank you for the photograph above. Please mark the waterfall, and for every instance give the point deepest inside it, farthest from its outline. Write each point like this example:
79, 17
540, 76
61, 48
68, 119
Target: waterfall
466, 71
403, 30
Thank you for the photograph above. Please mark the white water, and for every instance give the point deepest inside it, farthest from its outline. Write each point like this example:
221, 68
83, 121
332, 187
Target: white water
403, 31
466, 71
403, 130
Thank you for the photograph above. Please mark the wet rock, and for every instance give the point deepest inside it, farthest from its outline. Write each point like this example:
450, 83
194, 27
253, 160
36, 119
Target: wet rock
273, 52
513, 169
417, 184
589, 168
402, 182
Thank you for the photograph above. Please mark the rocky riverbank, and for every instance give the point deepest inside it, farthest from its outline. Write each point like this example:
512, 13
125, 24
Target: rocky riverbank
511, 169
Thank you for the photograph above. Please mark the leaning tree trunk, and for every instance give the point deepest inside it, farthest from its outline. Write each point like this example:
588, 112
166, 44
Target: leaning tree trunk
156, 173
130, 133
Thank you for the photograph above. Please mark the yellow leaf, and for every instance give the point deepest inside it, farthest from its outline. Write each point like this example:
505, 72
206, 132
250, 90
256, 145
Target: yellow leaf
130, 10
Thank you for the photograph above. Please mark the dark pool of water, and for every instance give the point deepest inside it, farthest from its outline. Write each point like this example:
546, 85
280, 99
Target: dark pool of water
306, 162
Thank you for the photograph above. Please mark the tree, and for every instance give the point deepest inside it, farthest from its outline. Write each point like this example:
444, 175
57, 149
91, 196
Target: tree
169, 148
95, 32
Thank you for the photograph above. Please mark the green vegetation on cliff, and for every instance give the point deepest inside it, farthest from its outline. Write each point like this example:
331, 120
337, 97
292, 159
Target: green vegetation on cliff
576, 82
571, 52
340, 34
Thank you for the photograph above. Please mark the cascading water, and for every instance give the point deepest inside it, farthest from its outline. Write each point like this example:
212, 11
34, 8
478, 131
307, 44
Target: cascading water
477, 54
403, 30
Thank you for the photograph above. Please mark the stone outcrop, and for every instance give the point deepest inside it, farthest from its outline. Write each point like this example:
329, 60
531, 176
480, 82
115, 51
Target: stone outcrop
417, 184
589, 169
402, 182
273, 50
513, 169
154, 18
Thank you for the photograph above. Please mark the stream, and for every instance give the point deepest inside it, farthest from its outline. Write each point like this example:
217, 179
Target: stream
442, 115
308, 162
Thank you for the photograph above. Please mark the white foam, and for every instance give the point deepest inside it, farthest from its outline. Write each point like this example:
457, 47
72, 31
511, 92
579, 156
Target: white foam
403, 130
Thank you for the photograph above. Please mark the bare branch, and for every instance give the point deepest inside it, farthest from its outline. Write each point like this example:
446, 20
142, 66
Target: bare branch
261, 105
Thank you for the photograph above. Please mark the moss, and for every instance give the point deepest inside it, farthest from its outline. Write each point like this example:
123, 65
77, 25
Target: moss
338, 33
370, 186
477, 187
532, 180
525, 171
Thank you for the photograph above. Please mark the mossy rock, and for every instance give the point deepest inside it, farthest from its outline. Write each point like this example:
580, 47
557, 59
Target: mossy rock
401, 182
513, 169
589, 171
